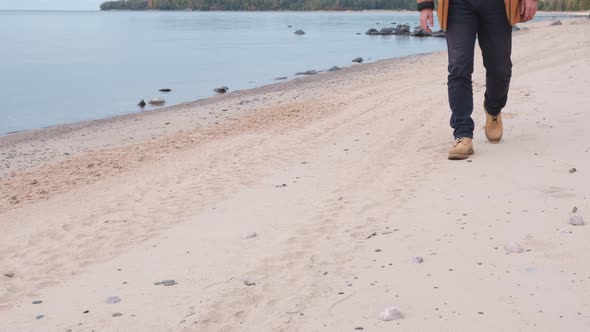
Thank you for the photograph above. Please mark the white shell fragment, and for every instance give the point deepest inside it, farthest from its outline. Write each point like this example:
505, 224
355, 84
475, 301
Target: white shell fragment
577, 221
513, 247
389, 314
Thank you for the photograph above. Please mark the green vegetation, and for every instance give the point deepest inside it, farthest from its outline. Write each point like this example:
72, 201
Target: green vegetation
549, 5
258, 4
564, 5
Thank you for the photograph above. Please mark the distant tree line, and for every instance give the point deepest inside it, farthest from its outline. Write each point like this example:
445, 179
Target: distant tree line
564, 5
549, 5
258, 4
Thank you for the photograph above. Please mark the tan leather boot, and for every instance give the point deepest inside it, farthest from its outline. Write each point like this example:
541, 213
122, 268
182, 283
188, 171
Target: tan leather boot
494, 127
462, 149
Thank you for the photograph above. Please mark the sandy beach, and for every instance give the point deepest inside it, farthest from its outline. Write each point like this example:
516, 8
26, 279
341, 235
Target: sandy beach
311, 205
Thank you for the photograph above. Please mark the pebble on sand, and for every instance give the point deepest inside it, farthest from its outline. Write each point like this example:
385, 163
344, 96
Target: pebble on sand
249, 235
39, 316
513, 247
113, 300
573, 170
577, 221
417, 260
389, 314
37, 302
117, 314
358, 60
9, 275
249, 283
169, 282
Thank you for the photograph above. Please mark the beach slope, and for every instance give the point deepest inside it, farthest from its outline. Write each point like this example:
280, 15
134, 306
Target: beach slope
311, 205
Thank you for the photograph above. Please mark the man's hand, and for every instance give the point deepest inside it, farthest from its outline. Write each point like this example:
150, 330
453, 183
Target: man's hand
427, 19
528, 9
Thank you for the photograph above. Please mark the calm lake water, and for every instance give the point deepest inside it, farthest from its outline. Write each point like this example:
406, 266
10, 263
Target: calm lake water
62, 67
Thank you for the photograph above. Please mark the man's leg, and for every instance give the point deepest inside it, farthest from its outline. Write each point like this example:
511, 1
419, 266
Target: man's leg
461, 31
495, 41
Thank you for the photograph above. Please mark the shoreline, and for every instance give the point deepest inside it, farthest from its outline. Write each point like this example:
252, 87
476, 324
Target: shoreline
312, 204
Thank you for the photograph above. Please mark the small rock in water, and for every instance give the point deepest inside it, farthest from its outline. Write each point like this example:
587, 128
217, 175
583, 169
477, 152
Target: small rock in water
577, 221
221, 89
117, 314
417, 260
249, 283
113, 300
573, 170
307, 72
334, 68
358, 60
169, 282
299, 32
249, 235
39, 316
157, 102
558, 22
165, 90
280, 78
37, 302
389, 314
142, 103
513, 247
9, 275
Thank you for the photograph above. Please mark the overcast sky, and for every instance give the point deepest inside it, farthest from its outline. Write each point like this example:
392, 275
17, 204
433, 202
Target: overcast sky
50, 4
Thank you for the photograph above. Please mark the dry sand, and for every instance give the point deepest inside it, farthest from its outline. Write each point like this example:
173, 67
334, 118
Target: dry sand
344, 178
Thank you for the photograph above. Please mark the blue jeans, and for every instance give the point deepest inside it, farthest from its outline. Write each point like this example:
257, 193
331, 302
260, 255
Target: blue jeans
486, 21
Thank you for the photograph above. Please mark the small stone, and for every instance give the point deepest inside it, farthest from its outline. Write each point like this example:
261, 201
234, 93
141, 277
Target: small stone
86, 311
359, 328
249, 235
577, 221
39, 316
169, 282
9, 275
299, 32
249, 283
358, 60
575, 209
554, 23
573, 170
417, 260
37, 302
513, 247
334, 68
113, 300
377, 250
165, 90
389, 314
142, 103
117, 314
157, 101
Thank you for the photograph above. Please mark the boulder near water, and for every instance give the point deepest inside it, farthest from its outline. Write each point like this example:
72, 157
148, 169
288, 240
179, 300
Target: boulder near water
221, 89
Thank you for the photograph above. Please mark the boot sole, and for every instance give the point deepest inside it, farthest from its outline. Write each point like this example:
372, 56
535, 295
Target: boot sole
458, 156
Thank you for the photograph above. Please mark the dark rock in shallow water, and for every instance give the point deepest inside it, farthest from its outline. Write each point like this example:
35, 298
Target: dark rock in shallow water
280, 78
335, 68
142, 103
387, 31
358, 60
554, 23
307, 72
439, 33
419, 32
299, 32
402, 29
165, 90
372, 32
221, 89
